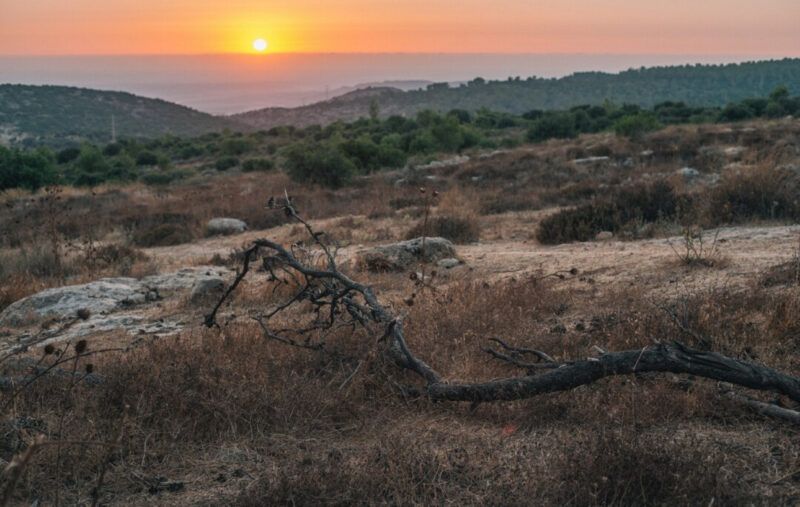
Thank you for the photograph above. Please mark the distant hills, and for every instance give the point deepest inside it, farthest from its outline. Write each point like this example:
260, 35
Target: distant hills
57, 114
698, 85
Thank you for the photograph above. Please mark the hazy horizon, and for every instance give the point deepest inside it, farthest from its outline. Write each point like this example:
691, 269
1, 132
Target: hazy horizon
231, 83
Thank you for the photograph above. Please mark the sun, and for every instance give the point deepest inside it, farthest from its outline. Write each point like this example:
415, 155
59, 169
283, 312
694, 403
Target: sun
260, 45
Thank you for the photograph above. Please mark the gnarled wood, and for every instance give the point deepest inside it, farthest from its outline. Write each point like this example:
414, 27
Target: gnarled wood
329, 288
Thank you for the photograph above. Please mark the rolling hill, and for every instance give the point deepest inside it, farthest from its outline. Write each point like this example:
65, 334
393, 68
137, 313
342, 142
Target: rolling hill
57, 114
698, 85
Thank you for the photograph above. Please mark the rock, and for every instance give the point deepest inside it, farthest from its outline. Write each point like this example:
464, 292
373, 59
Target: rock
400, 256
646, 153
590, 160
207, 288
688, 173
604, 236
99, 297
734, 151
225, 226
448, 263
95, 300
438, 164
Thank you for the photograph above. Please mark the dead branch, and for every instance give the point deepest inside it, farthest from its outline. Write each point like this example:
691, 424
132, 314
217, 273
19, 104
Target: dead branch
335, 298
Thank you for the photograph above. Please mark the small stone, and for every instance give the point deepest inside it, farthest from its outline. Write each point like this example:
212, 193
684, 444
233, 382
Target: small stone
448, 263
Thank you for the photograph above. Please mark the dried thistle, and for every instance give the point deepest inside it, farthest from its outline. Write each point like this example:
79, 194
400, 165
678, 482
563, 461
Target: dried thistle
81, 347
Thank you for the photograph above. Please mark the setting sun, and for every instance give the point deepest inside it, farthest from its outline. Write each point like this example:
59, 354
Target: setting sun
260, 45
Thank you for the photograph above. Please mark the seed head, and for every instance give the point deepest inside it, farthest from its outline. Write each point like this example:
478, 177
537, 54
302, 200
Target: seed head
89, 368
81, 346
49, 349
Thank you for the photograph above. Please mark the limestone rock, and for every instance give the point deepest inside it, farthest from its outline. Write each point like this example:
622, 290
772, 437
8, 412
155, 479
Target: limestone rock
400, 256
225, 226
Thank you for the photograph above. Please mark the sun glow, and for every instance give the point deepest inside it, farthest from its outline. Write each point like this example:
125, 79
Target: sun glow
260, 45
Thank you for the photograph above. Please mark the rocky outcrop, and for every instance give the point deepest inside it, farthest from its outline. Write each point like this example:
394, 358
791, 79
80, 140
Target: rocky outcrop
400, 256
95, 300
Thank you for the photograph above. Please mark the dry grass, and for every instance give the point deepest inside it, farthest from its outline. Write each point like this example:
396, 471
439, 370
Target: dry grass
224, 417
226, 414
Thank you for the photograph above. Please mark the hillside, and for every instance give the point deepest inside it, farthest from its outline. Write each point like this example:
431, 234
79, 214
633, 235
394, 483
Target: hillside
52, 114
706, 85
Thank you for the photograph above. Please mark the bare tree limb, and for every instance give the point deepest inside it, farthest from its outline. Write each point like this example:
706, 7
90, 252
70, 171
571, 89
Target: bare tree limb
331, 289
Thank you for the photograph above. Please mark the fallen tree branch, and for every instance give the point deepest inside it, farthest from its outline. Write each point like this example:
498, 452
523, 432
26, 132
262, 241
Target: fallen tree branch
330, 288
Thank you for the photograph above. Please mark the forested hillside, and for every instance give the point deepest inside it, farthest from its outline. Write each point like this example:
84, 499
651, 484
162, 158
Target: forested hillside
695, 85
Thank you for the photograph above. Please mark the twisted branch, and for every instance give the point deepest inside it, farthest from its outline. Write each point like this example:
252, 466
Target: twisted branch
351, 303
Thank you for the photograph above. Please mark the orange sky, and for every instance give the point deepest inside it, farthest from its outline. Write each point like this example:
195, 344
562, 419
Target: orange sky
745, 27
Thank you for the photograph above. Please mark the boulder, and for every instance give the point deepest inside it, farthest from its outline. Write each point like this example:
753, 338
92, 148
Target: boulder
225, 226
94, 301
99, 297
400, 256
206, 289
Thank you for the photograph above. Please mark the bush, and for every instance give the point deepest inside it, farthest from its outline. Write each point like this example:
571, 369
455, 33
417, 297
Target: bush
322, 164
162, 235
146, 158
760, 193
163, 177
26, 169
225, 163
456, 229
638, 204
67, 155
257, 164
553, 126
636, 125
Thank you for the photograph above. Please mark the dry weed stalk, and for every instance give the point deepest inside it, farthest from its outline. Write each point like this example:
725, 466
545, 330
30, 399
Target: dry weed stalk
695, 250
338, 301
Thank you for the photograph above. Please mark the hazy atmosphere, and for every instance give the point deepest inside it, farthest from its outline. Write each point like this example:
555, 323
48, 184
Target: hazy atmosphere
374, 252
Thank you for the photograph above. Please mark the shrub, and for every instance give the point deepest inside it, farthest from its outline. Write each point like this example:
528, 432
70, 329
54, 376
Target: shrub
257, 164
163, 177
146, 158
553, 126
67, 155
641, 203
236, 146
758, 193
26, 169
456, 229
225, 163
322, 164
636, 125
162, 235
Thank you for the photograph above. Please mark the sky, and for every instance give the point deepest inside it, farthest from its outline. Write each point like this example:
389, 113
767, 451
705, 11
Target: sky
114, 27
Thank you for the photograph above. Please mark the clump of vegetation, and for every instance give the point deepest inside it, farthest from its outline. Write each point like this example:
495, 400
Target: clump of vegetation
626, 207
763, 192
257, 164
458, 229
225, 163
26, 169
167, 234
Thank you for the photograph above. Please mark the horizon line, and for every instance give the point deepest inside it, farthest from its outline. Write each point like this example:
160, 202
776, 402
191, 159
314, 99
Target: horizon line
267, 54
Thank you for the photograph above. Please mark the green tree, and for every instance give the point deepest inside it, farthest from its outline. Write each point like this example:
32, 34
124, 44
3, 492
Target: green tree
321, 163
26, 169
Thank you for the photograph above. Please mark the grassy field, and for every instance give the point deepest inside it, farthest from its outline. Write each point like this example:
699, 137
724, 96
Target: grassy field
686, 234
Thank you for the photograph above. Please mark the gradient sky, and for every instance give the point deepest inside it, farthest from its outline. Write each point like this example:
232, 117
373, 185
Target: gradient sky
744, 27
